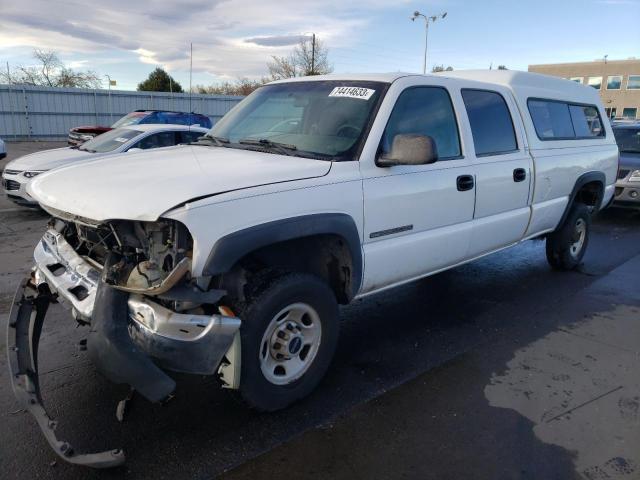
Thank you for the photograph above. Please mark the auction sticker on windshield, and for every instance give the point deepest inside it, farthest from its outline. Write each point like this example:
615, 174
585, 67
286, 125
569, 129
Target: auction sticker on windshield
352, 92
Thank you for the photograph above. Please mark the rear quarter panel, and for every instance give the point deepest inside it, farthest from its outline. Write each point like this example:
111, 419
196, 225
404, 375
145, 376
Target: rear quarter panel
559, 163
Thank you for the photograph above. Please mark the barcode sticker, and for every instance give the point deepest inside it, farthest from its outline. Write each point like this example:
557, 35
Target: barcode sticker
352, 92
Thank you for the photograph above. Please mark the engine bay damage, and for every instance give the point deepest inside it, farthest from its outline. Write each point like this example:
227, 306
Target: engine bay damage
149, 256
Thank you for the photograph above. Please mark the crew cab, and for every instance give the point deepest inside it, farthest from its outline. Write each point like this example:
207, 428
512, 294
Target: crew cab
229, 257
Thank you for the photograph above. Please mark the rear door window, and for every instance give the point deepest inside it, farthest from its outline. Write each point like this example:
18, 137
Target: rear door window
157, 140
491, 123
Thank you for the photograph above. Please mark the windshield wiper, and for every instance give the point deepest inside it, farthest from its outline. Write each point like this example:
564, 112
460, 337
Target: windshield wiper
284, 148
86, 150
218, 141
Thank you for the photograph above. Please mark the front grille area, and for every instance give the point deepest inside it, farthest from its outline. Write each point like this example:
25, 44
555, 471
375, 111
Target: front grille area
12, 172
623, 174
10, 185
619, 191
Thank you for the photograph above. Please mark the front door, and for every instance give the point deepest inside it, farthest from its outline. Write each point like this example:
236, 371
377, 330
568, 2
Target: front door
417, 217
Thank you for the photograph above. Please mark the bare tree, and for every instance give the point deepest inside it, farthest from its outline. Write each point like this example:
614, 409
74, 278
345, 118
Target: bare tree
50, 72
309, 57
282, 67
242, 86
50, 64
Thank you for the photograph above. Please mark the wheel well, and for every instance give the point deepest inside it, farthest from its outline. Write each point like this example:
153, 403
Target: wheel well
590, 193
325, 255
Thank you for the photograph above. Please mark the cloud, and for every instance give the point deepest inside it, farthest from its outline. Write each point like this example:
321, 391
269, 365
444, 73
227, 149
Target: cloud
229, 36
276, 40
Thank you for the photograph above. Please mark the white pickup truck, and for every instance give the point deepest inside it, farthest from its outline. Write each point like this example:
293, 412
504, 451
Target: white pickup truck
230, 256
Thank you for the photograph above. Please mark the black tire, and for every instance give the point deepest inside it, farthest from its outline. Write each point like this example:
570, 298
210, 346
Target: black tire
562, 253
275, 292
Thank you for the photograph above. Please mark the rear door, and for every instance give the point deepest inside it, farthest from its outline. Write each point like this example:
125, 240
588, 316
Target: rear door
503, 170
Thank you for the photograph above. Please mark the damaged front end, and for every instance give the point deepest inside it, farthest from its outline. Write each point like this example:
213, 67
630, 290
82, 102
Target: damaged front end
131, 282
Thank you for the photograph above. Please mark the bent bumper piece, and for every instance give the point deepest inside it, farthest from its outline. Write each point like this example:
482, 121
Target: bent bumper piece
23, 337
182, 342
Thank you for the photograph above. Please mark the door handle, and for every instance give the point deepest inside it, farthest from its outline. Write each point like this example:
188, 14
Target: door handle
519, 175
465, 182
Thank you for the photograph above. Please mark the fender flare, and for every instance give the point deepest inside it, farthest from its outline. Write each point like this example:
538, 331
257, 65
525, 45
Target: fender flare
232, 247
582, 180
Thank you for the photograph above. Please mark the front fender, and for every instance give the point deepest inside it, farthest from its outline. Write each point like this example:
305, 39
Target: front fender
232, 247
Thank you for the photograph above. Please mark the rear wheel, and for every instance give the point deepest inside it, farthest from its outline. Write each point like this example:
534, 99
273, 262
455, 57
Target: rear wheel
289, 334
566, 247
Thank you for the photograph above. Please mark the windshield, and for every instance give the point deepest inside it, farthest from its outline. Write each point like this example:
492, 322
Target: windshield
110, 140
321, 119
132, 118
628, 139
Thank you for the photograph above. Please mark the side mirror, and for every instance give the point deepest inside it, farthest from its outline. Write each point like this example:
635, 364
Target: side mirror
134, 149
410, 149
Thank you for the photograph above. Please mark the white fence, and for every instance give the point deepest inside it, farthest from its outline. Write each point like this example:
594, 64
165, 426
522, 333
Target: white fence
47, 113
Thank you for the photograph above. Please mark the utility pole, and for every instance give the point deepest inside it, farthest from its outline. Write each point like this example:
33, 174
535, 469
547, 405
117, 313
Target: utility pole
190, 76
313, 54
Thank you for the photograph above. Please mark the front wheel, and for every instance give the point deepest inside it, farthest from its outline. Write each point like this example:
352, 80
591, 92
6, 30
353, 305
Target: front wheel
566, 247
288, 336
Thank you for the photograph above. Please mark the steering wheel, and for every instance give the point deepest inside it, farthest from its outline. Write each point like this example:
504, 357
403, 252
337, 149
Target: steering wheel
349, 131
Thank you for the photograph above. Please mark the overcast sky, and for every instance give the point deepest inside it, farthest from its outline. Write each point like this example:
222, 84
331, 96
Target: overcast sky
234, 38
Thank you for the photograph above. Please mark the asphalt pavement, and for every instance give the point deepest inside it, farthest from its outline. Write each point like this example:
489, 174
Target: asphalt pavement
501, 368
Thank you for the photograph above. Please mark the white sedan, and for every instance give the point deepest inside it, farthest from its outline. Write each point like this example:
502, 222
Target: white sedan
3, 149
19, 172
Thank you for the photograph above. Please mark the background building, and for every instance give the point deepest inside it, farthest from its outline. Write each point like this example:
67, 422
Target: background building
617, 80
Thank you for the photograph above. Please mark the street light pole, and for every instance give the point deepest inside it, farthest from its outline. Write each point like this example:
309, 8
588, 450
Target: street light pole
427, 19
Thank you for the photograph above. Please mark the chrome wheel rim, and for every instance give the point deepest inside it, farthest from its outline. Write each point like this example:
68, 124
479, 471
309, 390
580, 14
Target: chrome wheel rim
579, 237
290, 343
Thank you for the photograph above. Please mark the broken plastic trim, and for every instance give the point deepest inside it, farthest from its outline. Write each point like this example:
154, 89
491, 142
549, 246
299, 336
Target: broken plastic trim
23, 338
113, 352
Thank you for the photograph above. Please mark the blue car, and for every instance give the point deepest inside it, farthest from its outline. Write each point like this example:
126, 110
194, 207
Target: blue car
79, 135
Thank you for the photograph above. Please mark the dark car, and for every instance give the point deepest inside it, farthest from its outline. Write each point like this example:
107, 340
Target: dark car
79, 135
628, 185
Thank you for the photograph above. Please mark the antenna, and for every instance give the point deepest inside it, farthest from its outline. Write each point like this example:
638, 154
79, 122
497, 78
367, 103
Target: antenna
190, 77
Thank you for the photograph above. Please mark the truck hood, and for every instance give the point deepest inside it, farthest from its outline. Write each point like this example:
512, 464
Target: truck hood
142, 186
49, 159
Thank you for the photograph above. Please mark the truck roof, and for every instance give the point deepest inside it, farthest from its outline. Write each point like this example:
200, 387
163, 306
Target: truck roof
523, 84
528, 84
367, 77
